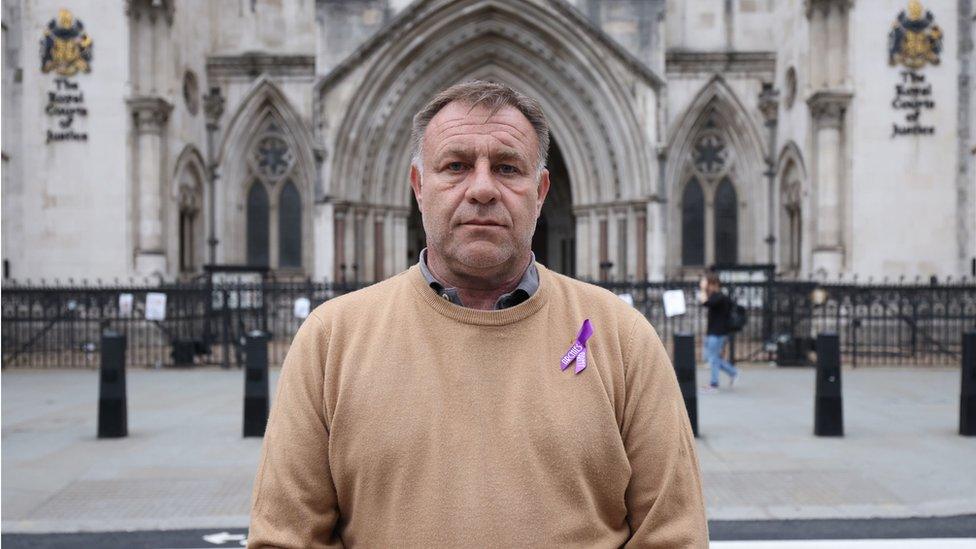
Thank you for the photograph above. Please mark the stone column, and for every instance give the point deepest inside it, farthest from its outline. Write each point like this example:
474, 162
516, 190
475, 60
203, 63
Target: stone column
389, 243
146, 54
339, 259
355, 241
827, 110
399, 241
640, 236
836, 43
149, 115
657, 268
769, 106
365, 246
582, 244
323, 241
623, 263
378, 271
610, 247
817, 15
603, 254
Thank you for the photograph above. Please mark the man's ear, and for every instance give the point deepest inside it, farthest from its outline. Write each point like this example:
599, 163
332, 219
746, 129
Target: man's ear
543, 191
416, 183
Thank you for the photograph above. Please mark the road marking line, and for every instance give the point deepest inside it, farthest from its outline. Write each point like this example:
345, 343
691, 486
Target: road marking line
943, 543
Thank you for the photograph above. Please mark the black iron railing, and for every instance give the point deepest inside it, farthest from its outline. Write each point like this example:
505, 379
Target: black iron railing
60, 326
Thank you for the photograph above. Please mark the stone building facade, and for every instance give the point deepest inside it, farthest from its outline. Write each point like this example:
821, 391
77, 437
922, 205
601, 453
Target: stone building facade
825, 137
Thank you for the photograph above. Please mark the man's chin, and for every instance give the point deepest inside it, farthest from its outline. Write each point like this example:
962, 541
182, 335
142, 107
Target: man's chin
483, 256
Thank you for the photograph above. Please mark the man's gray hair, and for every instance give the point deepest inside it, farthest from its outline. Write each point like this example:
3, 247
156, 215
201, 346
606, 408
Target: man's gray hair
490, 95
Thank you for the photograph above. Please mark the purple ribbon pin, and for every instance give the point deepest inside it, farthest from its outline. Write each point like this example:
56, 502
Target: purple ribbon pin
578, 350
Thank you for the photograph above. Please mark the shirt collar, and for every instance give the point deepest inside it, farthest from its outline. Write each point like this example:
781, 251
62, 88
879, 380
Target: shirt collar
527, 286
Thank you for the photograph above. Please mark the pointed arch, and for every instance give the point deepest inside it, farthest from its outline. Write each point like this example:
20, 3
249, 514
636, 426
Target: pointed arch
791, 153
437, 44
186, 212
264, 106
189, 169
717, 111
793, 210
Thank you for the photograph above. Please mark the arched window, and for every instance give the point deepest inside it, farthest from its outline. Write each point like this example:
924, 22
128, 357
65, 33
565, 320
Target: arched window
275, 216
189, 242
726, 224
258, 226
791, 222
289, 227
693, 224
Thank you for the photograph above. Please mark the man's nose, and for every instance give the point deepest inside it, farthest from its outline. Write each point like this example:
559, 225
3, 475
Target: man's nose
483, 188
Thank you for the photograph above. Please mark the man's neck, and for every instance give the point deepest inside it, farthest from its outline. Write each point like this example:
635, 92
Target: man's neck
477, 292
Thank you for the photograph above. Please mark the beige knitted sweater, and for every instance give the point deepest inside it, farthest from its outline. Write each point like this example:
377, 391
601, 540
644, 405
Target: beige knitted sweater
402, 420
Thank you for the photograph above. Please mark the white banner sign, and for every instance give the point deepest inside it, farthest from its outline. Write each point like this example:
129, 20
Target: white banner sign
155, 306
302, 307
674, 303
125, 305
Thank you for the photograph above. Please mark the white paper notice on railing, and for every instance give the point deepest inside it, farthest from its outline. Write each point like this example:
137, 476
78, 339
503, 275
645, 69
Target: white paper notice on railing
674, 303
155, 306
125, 305
302, 307
627, 298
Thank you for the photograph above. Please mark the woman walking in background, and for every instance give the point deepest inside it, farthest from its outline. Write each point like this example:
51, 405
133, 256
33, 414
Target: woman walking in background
719, 308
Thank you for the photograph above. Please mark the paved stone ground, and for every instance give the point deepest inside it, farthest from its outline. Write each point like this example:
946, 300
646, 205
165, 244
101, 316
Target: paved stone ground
186, 465
901, 455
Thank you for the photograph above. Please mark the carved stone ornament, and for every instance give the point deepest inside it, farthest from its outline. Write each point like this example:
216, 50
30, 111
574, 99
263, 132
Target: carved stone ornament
914, 39
149, 113
189, 200
273, 157
66, 48
213, 106
827, 108
710, 155
769, 104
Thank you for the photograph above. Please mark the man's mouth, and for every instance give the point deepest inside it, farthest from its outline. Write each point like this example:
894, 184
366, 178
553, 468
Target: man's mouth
483, 223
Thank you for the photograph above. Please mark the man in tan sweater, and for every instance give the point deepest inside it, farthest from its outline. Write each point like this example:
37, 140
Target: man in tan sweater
478, 399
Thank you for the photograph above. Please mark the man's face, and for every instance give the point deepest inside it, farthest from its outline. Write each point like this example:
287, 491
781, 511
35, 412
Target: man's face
479, 193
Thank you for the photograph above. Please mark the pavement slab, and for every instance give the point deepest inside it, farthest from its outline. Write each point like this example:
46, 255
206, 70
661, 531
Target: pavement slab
186, 465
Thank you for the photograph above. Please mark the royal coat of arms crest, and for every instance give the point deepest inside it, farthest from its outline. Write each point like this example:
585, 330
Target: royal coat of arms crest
66, 48
914, 39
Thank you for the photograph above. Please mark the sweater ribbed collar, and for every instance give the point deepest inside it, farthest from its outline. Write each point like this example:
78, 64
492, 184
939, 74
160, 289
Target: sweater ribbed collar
476, 316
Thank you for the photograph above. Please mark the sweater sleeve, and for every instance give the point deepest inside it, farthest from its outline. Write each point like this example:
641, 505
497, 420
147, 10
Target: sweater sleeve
294, 503
665, 506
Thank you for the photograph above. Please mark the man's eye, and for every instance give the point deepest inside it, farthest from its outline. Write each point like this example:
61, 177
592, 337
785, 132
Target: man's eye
455, 166
507, 169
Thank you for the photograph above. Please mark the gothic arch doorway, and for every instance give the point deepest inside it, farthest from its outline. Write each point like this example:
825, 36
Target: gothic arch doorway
554, 242
416, 238
598, 101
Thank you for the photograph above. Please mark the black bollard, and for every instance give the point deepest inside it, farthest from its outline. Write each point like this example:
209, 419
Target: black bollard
828, 412
967, 393
255, 383
112, 412
684, 368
